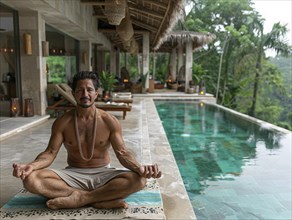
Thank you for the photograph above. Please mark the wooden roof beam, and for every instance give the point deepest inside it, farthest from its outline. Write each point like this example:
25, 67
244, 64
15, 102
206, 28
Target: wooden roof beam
96, 2
139, 9
156, 3
113, 31
144, 25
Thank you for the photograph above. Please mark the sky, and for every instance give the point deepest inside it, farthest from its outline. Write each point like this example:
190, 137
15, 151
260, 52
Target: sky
274, 11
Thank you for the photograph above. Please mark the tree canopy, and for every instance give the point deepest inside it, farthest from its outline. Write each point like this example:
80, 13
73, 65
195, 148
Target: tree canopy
249, 82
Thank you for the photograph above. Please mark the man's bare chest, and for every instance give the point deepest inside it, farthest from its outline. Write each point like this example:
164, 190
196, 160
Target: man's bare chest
86, 136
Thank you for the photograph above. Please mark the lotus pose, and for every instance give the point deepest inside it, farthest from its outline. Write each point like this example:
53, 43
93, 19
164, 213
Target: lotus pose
87, 134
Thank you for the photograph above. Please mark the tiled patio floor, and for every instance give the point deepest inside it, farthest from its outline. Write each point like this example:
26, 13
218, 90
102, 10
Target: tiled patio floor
143, 134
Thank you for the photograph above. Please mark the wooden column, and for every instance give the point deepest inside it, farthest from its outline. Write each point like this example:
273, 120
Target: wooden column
33, 81
118, 72
179, 57
173, 64
113, 60
189, 63
101, 61
146, 56
85, 54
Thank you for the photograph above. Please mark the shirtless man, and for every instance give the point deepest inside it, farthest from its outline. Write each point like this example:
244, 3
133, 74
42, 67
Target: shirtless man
87, 134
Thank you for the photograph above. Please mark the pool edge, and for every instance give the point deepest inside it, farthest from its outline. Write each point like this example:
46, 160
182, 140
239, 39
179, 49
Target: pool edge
174, 194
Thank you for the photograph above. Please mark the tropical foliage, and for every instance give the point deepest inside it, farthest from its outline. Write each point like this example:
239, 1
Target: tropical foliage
107, 81
57, 66
158, 68
250, 83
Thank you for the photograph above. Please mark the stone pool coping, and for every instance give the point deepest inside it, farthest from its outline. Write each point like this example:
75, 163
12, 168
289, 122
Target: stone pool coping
176, 202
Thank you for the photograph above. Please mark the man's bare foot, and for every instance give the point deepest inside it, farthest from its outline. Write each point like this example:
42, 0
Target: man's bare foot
113, 204
72, 201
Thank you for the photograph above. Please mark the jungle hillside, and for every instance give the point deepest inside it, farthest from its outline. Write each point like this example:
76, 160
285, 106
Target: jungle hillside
250, 82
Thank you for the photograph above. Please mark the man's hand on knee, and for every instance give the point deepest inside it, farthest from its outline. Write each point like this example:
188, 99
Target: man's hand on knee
150, 171
22, 170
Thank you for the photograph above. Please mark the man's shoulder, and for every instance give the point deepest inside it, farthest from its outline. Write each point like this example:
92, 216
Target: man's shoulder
110, 120
106, 116
103, 114
67, 115
65, 118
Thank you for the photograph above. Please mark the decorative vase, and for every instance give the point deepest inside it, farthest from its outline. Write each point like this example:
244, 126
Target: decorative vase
106, 96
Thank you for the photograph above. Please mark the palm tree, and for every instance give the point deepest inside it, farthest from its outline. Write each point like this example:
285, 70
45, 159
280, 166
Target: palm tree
272, 40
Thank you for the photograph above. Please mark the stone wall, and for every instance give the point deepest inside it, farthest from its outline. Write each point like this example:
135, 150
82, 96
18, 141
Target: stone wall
70, 17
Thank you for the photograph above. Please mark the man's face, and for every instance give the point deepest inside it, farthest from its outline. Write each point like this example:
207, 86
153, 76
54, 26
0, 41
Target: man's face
85, 93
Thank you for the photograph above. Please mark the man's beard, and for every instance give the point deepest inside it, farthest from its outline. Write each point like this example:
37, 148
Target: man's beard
85, 105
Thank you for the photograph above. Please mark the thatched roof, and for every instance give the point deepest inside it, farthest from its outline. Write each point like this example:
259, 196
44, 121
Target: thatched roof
154, 16
176, 38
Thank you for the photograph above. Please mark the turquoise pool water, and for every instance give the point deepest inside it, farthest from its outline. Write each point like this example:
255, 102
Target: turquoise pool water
231, 168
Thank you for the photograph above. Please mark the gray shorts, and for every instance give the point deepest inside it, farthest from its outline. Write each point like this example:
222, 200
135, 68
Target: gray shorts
88, 178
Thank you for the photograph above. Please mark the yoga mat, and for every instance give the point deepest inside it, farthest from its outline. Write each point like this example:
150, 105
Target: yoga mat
145, 204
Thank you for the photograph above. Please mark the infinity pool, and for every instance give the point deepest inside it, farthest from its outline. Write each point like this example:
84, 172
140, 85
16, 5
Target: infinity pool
232, 168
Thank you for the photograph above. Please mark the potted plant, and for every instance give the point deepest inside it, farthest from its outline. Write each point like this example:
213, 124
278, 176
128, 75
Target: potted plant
160, 80
107, 81
198, 75
139, 86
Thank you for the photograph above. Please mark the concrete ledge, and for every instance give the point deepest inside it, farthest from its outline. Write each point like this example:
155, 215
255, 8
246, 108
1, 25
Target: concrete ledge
261, 123
179, 96
11, 126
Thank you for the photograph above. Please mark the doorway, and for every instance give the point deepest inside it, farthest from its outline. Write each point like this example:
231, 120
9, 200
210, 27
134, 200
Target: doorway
9, 58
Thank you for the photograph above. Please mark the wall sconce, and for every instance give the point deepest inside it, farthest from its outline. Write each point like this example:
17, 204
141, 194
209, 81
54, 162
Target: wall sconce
28, 108
45, 48
57, 52
14, 107
6, 50
27, 44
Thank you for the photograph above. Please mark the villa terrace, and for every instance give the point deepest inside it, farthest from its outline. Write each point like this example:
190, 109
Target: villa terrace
143, 134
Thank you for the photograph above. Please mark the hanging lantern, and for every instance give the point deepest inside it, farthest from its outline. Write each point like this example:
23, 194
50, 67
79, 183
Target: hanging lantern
127, 45
14, 107
131, 46
125, 29
134, 49
115, 11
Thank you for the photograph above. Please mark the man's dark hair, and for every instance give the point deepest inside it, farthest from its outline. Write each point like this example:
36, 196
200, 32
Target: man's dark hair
85, 75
